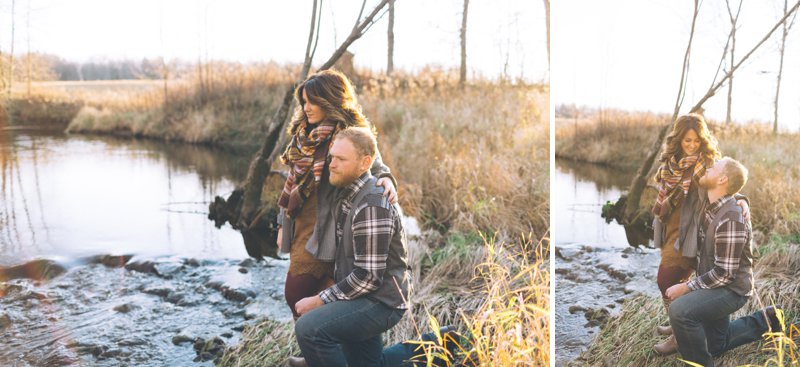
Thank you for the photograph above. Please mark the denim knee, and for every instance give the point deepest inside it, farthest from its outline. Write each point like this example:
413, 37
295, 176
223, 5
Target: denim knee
304, 329
679, 311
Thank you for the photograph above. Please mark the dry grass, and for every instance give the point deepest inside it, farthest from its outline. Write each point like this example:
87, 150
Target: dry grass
472, 160
610, 137
266, 343
628, 339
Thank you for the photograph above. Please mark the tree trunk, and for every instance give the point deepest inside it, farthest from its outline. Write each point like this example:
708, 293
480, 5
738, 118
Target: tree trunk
734, 19
639, 182
28, 61
547, 23
780, 68
463, 75
390, 36
10, 77
685, 67
244, 209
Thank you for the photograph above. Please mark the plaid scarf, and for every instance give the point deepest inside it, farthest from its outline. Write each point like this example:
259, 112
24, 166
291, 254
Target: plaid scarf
674, 182
305, 156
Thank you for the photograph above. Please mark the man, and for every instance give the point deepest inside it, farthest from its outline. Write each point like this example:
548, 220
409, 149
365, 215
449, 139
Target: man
701, 308
343, 324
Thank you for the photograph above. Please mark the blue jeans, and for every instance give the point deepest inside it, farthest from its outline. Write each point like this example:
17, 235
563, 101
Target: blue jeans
348, 333
701, 323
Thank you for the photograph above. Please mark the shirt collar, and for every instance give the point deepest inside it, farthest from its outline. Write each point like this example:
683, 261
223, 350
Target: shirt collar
714, 207
350, 190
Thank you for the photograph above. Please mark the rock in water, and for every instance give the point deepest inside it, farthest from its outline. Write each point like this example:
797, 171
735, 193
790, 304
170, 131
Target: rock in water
40, 269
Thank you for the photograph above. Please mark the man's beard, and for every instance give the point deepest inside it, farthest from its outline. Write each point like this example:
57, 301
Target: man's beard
705, 182
343, 179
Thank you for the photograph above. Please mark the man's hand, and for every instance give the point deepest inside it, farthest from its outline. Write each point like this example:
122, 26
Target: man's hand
307, 304
388, 189
677, 290
280, 236
745, 208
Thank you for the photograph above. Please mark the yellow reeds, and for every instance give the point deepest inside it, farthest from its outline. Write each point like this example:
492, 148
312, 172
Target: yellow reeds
510, 326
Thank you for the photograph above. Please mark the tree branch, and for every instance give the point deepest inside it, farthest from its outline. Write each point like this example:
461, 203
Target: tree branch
727, 76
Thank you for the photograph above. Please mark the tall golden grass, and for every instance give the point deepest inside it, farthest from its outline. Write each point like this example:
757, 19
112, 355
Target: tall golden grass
472, 160
501, 309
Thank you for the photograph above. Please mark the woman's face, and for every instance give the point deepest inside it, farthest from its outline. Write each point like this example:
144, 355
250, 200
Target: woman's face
690, 143
314, 113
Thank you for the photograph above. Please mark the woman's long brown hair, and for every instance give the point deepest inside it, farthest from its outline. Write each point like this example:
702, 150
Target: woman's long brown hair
696, 122
333, 92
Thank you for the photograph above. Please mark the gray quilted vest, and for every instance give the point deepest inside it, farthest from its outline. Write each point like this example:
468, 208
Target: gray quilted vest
394, 287
743, 280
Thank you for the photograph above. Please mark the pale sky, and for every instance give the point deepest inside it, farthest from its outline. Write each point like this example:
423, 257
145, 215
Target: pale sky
426, 32
628, 53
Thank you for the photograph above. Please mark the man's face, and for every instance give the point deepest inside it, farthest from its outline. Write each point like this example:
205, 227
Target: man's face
714, 176
346, 164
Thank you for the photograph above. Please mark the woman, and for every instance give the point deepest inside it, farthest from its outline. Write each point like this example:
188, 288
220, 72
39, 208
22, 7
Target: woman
690, 150
327, 104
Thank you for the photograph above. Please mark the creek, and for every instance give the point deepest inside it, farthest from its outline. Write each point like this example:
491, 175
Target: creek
595, 267
107, 257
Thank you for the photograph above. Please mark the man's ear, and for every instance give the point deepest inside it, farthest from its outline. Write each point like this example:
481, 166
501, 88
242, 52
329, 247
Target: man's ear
366, 162
722, 180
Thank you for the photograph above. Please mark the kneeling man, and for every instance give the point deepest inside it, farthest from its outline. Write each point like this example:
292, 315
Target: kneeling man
700, 313
342, 326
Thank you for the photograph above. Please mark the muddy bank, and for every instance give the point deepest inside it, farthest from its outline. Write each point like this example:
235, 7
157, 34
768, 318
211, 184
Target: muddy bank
123, 310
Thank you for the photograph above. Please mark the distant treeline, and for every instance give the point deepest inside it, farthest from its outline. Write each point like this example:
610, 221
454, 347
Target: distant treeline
107, 69
42, 67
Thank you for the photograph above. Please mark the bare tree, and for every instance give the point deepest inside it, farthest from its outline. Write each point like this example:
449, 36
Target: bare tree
547, 23
28, 60
244, 209
463, 75
734, 19
631, 214
685, 67
390, 36
640, 180
164, 68
11, 51
7, 80
786, 27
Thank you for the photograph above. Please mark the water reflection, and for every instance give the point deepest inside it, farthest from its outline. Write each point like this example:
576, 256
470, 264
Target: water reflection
76, 195
581, 190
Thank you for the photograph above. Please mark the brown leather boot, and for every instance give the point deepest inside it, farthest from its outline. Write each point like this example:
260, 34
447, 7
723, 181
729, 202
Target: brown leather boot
665, 330
667, 347
297, 362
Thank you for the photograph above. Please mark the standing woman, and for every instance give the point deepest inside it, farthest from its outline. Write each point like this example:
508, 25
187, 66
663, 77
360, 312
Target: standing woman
307, 231
689, 151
